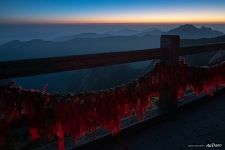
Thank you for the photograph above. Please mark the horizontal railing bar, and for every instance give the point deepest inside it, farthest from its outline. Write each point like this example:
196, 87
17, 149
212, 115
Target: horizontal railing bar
29, 67
189, 50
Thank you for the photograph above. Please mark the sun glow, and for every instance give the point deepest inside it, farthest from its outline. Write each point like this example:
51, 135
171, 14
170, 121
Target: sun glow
136, 18
160, 15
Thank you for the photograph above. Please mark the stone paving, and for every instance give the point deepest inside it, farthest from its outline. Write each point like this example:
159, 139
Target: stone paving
193, 125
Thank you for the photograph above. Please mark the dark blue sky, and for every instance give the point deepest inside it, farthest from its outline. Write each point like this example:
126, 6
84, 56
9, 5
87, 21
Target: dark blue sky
110, 11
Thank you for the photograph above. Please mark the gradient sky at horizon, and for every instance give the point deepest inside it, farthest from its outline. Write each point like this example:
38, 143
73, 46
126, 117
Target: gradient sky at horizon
112, 11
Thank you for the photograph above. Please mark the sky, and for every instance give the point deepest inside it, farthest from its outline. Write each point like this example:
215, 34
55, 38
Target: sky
112, 11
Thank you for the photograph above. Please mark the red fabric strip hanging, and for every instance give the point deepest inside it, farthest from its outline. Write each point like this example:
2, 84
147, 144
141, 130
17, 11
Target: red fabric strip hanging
49, 116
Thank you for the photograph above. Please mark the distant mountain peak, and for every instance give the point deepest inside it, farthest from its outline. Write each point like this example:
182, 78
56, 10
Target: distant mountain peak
189, 31
151, 32
81, 35
36, 40
123, 32
13, 41
125, 29
151, 29
88, 33
186, 27
206, 28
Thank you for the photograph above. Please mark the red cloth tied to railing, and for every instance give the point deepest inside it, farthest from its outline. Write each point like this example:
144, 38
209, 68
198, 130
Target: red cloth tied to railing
49, 116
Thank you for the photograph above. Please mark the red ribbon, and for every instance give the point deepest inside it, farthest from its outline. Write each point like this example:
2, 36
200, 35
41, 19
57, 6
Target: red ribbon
50, 116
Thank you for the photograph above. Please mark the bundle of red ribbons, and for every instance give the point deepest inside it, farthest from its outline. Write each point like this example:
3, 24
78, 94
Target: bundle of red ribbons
51, 115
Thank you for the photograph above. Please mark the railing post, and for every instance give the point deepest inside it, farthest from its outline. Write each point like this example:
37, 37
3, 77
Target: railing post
169, 57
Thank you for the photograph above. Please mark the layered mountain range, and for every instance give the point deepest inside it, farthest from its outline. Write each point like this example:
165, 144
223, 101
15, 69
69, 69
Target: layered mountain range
106, 77
186, 31
121, 40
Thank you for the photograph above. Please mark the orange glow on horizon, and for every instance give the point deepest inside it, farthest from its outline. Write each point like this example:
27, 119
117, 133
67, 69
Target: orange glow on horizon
125, 21
145, 18
152, 18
